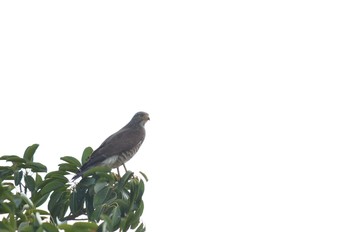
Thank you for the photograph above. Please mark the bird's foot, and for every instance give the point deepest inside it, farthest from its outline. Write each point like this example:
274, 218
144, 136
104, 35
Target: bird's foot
116, 176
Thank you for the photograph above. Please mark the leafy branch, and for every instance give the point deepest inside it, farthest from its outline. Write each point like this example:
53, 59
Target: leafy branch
101, 201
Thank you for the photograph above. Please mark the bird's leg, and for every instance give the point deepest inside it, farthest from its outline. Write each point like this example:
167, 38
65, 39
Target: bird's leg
125, 168
119, 176
116, 176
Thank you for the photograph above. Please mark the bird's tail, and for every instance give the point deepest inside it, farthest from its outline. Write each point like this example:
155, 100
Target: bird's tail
79, 173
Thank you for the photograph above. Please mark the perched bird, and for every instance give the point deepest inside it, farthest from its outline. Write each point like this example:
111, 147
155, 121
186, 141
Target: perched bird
120, 147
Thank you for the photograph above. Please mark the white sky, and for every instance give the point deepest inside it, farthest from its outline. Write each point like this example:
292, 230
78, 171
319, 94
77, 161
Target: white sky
249, 103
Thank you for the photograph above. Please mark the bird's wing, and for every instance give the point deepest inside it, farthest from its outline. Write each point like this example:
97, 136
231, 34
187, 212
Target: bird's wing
121, 141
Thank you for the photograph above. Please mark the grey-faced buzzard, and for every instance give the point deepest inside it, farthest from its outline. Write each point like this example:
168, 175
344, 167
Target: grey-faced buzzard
120, 147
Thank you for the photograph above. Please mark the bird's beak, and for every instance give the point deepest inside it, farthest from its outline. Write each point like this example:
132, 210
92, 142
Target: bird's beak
147, 117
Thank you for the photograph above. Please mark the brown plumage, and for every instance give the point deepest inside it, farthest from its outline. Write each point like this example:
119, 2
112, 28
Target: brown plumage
120, 147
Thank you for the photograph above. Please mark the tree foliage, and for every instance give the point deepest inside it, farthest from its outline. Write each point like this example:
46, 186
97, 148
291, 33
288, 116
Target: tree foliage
101, 201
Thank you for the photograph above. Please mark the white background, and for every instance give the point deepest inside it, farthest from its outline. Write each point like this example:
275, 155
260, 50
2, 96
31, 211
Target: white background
249, 103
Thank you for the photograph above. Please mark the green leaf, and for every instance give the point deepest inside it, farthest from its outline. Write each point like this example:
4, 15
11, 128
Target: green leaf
30, 182
134, 223
62, 206
140, 191
123, 204
17, 199
144, 176
86, 154
41, 199
27, 200
123, 226
137, 216
18, 177
125, 194
97, 213
130, 218
68, 167
90, 206
101, 196
7, 195
66, 227
40, 211
51, 186
79, 227
5, 172
85, 226
7, 207
99, 186
49, 227
107, 224
73, 203
55, 197
36, 167
12, 158
95, 170
116, 216
38, 179
71, 160
77, 200
57, 175
25, 227
86, 182
6, 186
126, 177
29, 152
141, 228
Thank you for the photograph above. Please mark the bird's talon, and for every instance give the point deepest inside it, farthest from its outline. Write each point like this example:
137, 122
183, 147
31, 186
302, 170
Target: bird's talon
116, 176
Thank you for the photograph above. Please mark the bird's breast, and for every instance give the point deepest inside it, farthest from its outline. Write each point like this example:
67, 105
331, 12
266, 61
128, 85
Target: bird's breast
121, 158
111, 161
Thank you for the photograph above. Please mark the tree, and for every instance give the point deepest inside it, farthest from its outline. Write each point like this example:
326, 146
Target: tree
101, 201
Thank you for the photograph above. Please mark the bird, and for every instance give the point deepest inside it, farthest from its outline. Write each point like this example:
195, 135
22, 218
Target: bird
120, 147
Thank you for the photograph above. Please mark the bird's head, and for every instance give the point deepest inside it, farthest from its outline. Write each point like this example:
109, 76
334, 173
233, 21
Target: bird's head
140, 118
